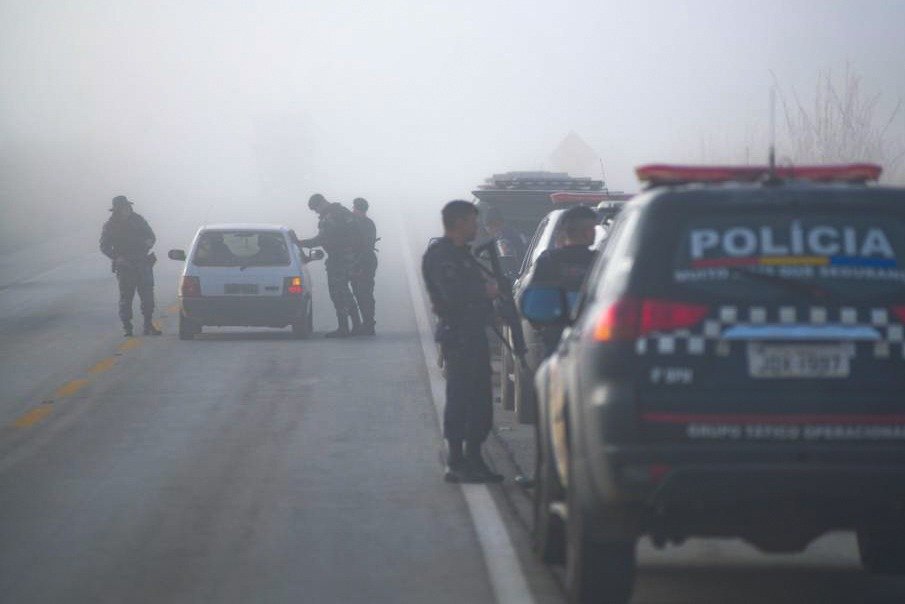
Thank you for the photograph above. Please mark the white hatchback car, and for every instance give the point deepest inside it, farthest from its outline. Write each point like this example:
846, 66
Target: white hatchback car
245, 275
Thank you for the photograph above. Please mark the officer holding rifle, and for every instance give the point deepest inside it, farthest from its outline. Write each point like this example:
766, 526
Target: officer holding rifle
462, 300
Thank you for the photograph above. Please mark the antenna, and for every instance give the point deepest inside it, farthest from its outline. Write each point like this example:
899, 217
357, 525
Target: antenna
602, 173
772, 156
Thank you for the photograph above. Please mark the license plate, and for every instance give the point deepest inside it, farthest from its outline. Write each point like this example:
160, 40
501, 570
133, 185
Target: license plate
240, 288
798, 361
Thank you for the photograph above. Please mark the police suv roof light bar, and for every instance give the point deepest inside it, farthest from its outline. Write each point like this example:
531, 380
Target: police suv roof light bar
655, 175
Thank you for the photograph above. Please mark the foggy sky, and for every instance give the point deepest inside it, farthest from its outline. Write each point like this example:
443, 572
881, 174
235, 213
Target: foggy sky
238, 110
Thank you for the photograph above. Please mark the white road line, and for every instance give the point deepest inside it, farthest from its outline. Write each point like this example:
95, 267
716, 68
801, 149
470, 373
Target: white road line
506, 575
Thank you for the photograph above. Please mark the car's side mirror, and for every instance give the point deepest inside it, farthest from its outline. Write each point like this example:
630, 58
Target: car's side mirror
176, 255
544, 305
316, 255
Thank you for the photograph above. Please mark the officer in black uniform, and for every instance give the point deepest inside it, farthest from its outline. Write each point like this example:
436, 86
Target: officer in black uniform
565, 267
365, 265
127, 240
338, 235
462, 300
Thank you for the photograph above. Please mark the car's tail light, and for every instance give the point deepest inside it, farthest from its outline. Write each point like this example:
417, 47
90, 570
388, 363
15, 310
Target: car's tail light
899, 312
618, 321
628, 319
191, 287
292, 286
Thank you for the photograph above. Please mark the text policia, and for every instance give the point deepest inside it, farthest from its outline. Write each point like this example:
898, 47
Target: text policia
794, 249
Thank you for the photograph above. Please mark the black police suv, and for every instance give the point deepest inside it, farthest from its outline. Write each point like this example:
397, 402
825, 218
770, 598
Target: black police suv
517, 377
736, 368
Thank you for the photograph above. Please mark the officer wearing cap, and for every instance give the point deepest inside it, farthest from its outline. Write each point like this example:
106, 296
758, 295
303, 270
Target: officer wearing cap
462, 300
127, 240
566, 266
365, 266
338, 235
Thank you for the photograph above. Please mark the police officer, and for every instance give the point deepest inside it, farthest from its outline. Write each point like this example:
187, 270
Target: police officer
337, 234
365, 265
127, 240
462, 300
565, 267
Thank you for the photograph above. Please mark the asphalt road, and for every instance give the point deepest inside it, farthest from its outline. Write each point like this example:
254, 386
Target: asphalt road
247, 466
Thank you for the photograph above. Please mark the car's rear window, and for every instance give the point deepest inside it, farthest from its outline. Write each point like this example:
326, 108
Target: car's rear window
241, 248
766, 255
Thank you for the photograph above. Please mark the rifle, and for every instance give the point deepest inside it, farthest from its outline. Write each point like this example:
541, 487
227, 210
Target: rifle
505, 306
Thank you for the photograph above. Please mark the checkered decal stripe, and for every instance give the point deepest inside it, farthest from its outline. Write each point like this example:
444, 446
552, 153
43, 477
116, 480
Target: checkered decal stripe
706, 337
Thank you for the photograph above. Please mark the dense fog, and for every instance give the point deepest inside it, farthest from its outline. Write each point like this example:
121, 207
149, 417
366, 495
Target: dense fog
218, 111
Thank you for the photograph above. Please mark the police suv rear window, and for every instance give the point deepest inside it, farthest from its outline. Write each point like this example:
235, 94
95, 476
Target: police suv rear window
760, 255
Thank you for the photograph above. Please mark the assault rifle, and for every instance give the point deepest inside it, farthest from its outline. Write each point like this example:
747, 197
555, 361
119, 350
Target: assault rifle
504, 306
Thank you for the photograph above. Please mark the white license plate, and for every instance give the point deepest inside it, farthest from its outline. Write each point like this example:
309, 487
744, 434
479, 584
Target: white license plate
798, 360
240, 288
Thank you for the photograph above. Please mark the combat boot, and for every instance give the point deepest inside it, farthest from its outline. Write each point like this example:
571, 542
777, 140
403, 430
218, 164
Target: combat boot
476, 469
342, 331
127, 329
455, 463
356, 324
367, 328
150, 329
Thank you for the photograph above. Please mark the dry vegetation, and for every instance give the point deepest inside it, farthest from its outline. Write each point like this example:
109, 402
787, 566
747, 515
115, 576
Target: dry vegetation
842, 123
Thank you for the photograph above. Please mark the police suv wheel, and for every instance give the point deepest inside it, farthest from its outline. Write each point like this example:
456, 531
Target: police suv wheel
549, 533
882, 550
525, 396
599, 572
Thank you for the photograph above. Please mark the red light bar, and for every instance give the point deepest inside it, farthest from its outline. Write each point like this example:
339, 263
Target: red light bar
589, 198
664, 174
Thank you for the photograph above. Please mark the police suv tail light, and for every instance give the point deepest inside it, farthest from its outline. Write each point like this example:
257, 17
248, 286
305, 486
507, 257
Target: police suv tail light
190, 288
292, 286
660, 315
618, 321
628, 319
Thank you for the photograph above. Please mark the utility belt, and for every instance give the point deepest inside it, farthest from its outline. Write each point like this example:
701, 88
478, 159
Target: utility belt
462, 333
146, 261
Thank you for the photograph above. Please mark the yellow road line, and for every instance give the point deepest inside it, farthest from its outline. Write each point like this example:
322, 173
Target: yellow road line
129, 344
70, 388
34, 416
103, 365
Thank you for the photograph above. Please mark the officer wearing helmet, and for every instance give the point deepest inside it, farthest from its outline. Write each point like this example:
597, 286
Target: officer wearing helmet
127, 240
338, 235
365, 266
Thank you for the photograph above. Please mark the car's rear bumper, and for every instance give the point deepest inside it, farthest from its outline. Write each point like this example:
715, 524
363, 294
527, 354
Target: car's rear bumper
260, 311
725, 475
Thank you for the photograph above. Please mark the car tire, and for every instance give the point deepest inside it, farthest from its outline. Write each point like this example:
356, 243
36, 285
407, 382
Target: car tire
188, 328
525, 396
303, 328
599, 572
882, 550
507, 392
549, 534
